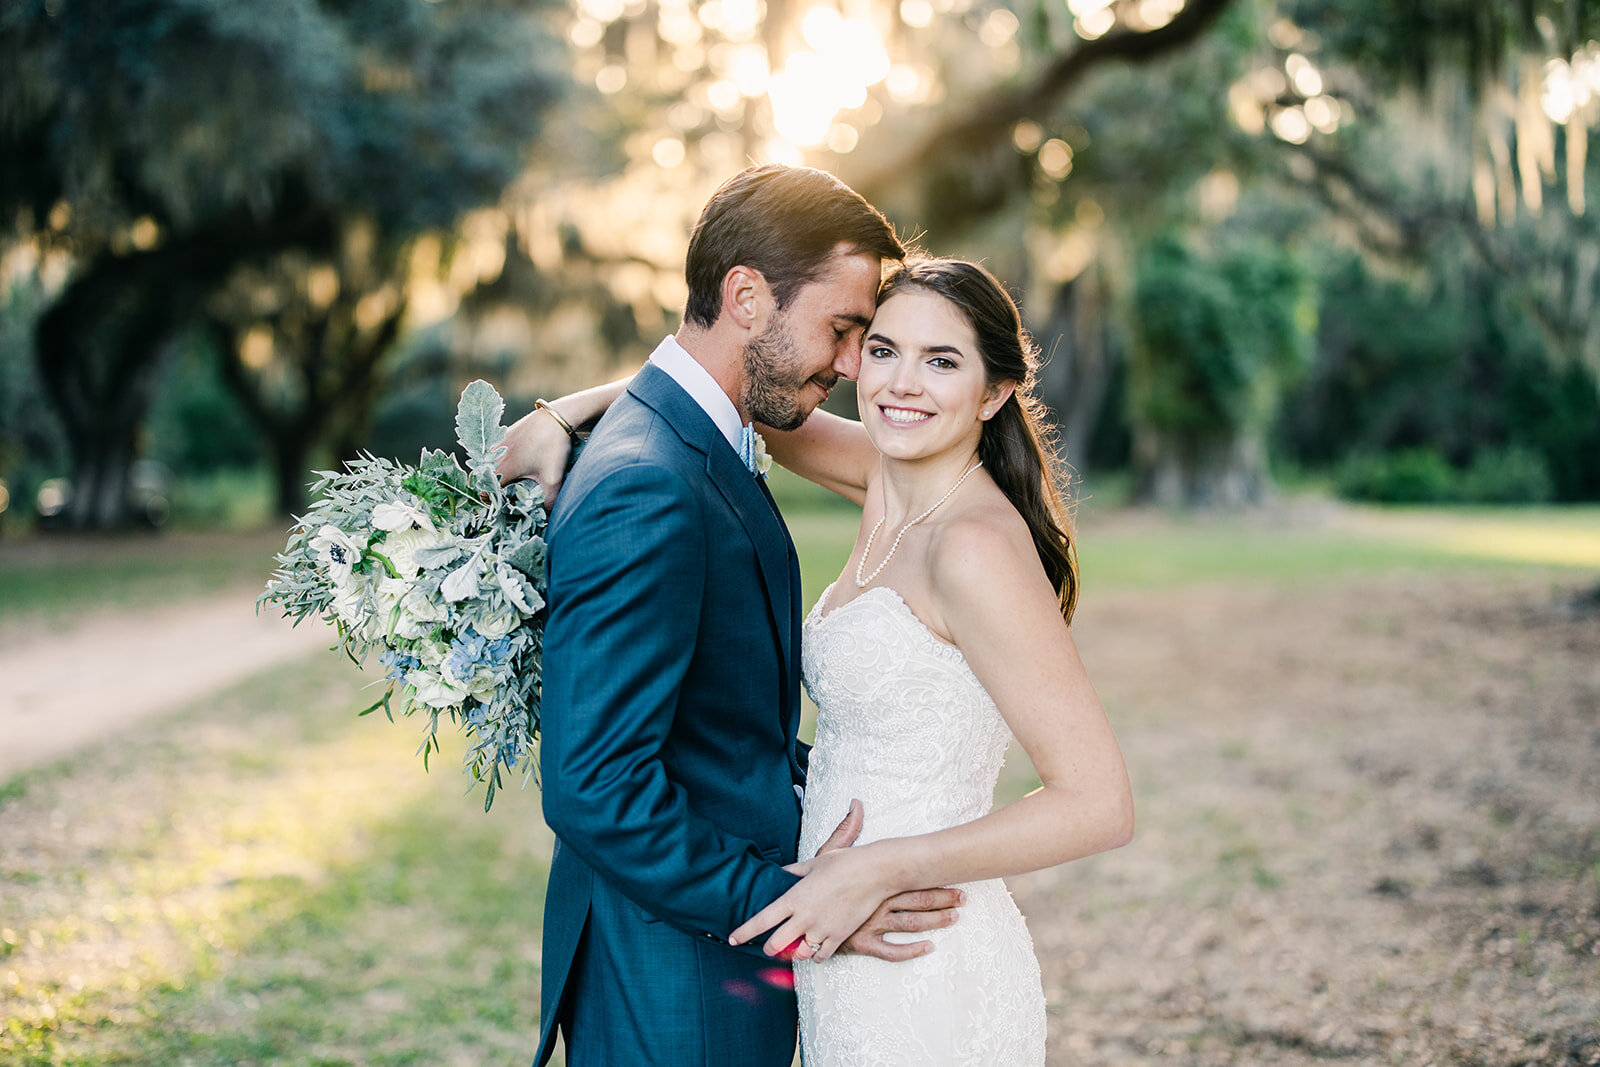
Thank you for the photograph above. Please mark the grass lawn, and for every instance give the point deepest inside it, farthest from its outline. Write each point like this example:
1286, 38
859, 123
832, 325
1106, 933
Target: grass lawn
265, 878
50, 579
1304, 542
1131, 550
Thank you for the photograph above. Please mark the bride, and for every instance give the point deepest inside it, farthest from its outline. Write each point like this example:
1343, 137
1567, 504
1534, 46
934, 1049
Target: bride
946, 636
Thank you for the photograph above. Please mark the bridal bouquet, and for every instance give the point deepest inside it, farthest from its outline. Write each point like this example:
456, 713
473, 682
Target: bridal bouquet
440, 572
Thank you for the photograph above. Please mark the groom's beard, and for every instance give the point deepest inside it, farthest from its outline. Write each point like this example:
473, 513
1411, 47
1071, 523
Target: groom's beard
774, 376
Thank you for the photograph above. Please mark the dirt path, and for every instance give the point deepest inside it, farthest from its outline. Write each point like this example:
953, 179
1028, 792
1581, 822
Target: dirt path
1369, 830
64, 689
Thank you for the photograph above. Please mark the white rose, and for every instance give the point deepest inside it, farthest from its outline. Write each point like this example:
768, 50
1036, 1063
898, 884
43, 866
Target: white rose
763, 459
482, 685
435, 690
432, 654
400, 548
498, 623
391, 591
418, 613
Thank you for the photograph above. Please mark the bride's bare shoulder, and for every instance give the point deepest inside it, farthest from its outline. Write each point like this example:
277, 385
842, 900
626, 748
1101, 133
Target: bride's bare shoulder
979, 546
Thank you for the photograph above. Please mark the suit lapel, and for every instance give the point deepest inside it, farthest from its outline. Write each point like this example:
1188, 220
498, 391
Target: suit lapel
793, 644
747, 498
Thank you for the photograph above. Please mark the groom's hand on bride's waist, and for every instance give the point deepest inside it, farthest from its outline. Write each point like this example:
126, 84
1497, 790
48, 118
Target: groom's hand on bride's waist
915, 912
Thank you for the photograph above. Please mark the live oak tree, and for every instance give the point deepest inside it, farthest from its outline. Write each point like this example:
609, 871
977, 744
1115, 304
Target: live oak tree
185, 151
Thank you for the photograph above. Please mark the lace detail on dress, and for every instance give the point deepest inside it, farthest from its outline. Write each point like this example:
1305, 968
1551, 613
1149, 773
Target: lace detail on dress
904, 726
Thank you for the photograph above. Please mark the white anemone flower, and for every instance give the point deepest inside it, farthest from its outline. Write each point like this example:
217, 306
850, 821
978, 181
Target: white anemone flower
338, 552
400, 516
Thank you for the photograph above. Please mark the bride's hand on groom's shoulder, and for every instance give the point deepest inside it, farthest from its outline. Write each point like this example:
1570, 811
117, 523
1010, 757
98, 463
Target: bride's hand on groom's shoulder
846, 901
537, 447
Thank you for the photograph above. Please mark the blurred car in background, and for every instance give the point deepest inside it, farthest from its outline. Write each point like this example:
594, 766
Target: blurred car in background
149, 497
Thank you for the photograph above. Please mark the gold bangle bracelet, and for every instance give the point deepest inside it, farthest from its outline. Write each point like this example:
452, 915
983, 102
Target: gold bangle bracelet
544, 405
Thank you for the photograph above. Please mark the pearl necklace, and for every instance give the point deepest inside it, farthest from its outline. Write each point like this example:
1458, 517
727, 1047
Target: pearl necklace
862, 583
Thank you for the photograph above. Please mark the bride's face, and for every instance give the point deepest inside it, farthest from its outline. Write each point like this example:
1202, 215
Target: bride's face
921, 388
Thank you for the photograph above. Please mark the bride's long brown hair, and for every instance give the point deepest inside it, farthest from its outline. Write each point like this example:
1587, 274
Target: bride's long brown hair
1018, 446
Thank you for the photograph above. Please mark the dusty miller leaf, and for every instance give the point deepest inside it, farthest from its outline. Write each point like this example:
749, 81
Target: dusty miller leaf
433, 558
529, 559
478, 424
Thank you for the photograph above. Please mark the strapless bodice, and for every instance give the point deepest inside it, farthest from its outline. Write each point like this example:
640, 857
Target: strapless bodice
903, 724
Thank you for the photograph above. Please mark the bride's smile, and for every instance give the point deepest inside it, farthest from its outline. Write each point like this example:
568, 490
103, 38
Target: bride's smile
921, 388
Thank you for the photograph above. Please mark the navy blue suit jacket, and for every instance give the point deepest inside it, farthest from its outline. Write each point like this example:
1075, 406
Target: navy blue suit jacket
669, 758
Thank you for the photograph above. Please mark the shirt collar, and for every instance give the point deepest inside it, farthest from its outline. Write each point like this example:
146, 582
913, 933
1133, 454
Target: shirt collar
703, 389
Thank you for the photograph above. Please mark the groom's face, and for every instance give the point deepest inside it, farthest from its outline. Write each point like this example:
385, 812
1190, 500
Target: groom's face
809, 345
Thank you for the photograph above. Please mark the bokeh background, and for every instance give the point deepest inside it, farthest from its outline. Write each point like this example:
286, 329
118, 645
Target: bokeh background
1316, 282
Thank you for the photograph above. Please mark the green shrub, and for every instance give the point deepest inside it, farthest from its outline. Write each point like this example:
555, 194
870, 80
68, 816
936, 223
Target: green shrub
1504, 475
1513, 475
1412, 476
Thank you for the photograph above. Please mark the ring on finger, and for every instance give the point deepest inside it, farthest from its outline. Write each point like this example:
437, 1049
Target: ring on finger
814, 946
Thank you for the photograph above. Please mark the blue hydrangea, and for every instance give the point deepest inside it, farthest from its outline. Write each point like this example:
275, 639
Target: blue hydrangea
399, 663
466, 654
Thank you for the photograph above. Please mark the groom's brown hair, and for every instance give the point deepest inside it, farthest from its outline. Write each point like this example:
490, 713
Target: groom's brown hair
784, 222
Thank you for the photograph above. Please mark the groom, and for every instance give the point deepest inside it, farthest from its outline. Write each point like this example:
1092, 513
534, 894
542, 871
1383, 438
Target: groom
670, 765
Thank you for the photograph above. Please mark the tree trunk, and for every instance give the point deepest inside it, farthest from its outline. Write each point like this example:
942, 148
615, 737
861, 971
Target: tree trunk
289, 472
1078, 368
99, 347
338, 379
99, 490
1178, 471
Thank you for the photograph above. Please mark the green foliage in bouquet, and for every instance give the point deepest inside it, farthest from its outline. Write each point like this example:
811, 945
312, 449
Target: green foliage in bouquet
440, 572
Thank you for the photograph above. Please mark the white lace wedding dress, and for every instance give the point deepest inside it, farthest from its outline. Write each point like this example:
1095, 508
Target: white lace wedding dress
904, 725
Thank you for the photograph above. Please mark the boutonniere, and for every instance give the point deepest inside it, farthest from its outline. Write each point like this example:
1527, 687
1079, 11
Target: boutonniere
763, 459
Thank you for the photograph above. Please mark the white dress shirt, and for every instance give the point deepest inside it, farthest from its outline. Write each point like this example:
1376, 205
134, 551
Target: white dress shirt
703, 389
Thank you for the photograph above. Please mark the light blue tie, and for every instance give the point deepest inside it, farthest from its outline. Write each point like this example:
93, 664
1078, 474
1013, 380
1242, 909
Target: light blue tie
747, 447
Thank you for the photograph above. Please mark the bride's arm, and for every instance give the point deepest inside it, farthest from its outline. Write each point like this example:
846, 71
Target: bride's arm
831, 451
1002, 612
834, 452
537, 445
